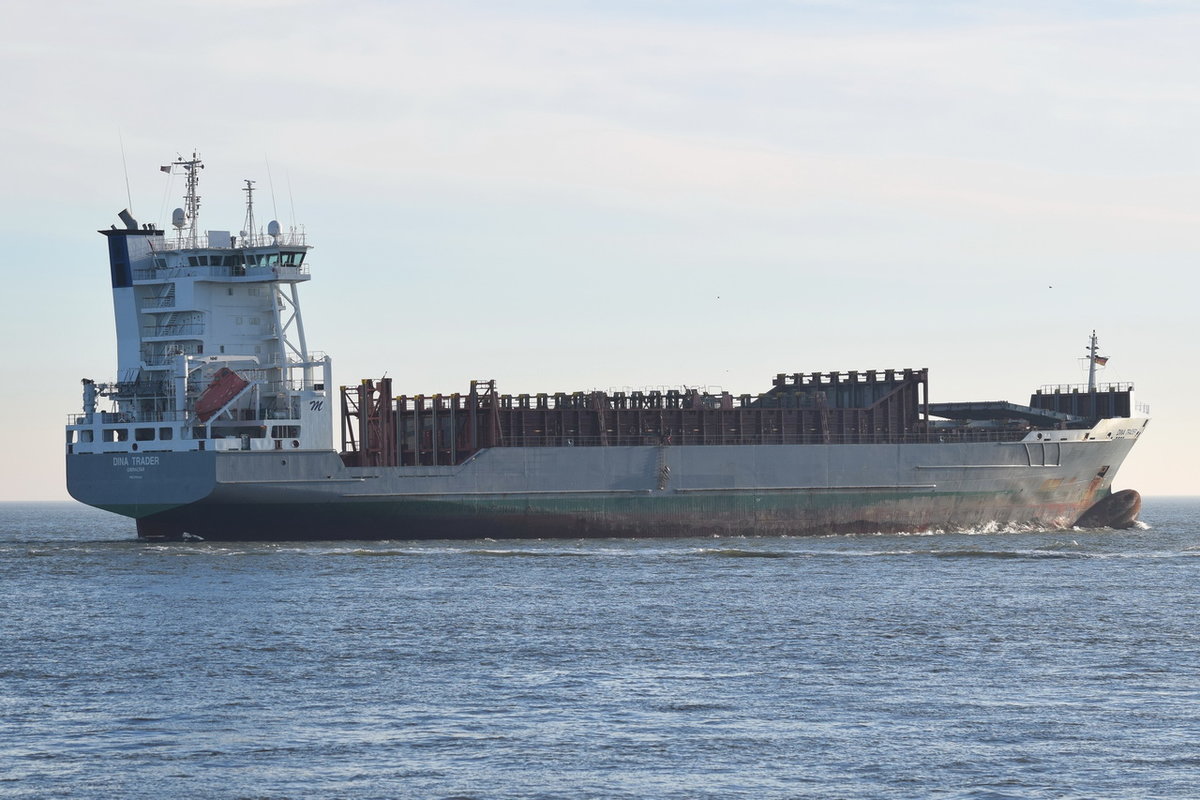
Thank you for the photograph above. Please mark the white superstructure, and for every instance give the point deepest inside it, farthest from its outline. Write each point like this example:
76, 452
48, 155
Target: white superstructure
211, 352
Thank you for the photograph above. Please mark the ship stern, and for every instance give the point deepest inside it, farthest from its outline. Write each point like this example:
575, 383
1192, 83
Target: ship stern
141, 485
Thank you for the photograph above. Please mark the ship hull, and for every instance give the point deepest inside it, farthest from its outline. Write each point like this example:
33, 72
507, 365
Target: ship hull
650, 491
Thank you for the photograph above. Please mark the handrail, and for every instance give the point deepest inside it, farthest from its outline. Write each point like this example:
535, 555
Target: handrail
291, 238
182, 328
1082, 388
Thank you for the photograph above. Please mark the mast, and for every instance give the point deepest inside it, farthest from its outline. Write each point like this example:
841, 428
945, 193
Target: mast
189, 217
248, 233
1093, 348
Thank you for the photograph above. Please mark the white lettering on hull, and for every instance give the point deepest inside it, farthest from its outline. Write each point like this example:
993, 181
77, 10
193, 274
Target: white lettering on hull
134, 465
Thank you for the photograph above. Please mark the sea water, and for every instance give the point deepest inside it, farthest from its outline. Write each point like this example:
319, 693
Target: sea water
962, 664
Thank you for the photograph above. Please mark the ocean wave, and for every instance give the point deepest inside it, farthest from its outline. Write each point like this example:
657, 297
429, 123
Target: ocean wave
1004, 554
530, 553
993, 527
955, 553
369, 553
733, 552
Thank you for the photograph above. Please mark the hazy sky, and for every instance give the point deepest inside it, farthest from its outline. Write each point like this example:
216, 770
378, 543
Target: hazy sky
573, 195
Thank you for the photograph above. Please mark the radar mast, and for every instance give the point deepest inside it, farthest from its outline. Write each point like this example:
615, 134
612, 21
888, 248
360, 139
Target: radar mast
191, 201
248, 235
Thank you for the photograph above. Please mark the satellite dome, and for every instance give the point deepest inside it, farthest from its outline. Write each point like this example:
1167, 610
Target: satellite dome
273, 229
178, 218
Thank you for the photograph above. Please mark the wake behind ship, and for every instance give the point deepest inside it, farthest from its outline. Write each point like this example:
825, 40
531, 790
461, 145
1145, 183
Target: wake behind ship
219, 425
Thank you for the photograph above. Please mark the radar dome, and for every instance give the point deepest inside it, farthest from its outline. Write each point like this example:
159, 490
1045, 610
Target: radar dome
178, 218
273, 228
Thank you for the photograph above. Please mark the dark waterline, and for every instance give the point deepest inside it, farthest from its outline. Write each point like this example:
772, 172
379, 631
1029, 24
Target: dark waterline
969, 665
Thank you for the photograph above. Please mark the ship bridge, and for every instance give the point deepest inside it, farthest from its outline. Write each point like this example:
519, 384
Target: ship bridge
227, 257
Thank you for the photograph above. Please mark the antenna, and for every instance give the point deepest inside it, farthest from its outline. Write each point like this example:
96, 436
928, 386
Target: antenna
292, 202
125, 165
271, 184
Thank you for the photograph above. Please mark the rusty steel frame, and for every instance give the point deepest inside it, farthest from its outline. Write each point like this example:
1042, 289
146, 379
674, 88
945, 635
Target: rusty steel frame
442, 430
369, 410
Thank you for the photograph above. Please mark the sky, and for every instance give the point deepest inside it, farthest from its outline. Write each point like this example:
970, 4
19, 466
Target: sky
574, 195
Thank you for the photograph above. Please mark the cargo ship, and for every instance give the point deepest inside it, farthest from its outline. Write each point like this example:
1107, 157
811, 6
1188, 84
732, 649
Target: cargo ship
219, 425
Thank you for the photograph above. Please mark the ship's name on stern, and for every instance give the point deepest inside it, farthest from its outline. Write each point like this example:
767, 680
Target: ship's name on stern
135, 463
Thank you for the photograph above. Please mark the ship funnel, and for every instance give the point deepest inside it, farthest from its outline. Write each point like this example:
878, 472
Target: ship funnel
127, 218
